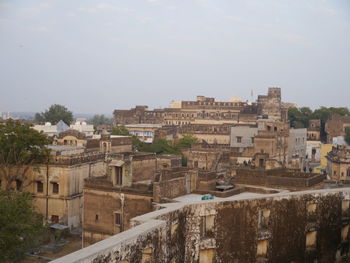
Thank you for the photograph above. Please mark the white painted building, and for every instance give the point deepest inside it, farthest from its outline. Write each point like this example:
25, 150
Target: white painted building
313, 151
82, 126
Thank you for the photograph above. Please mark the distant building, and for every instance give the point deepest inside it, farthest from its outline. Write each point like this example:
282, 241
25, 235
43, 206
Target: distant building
336, 126
81, 126
52, 130
242, 136
339, 140
102, 143
313, 151
207, 110
297, 145
145, 132
313, 131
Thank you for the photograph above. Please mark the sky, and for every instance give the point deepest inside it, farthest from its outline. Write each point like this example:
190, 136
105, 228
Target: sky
97, 56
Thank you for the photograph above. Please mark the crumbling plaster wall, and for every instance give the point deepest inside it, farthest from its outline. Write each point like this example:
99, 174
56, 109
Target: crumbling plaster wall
294, 227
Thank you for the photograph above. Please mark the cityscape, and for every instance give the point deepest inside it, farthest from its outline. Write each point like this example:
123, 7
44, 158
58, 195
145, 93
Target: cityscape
230, 169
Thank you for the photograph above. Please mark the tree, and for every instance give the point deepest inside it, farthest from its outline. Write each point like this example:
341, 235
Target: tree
20, 147
299, 117
159, 146
20, 225
120, 130
54, 114
97, 120
186, 141
347, 135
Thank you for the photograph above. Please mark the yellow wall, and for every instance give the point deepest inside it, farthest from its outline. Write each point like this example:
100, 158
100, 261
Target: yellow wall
325, 149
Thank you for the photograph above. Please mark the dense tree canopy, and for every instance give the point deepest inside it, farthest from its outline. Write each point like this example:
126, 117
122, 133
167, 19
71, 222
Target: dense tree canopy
347, 135
186, 141
120, 130
97, 120
162, 146
20, 146
299, 117
20, 226
159, 146
54, 114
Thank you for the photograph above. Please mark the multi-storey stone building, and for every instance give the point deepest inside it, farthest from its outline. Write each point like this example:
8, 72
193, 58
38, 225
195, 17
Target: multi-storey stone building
338, 163
57, 184
207, 111
336, 127
314, 130
103, 142
131, 187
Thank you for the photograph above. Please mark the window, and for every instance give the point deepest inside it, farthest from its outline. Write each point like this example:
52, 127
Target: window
261, 162
344, 233
264, 215
96, 217
311, 239
206, 255
345, 205
261, 249
119, 175
18, 184
147, 255
55, 188
252, 138
39, 187
54, 219
207, 225
311, 208
117, 218
239, 139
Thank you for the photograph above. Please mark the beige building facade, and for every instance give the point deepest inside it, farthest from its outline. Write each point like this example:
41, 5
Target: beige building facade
338, 163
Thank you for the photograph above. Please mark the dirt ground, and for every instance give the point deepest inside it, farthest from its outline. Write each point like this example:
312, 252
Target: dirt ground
74, 244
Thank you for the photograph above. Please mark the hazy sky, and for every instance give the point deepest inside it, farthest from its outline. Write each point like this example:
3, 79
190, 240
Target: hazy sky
96, 56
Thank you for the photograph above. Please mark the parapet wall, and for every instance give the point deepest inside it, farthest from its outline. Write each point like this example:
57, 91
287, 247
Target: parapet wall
294, 227
287, 178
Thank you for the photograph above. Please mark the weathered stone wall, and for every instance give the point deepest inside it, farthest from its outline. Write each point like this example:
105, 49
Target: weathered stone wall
294, 227
143, 167
277, 178
271, 104
169, 189
202, 159
168, 161
100, 206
